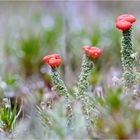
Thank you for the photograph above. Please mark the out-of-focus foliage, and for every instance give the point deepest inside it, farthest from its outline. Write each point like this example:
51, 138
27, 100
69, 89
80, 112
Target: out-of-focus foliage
8, 115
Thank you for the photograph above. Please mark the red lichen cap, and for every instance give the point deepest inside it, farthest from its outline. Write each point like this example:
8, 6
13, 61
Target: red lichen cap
86, 48
126, 17
92, 51
48, 57
53, 60
123, 25
124, 22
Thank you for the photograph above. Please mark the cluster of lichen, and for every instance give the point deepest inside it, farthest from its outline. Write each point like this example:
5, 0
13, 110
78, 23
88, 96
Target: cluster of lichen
98, 111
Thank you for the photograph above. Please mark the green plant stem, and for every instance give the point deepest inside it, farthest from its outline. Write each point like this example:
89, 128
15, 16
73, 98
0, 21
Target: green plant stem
60, 87
137, 77
83, 84
129, 76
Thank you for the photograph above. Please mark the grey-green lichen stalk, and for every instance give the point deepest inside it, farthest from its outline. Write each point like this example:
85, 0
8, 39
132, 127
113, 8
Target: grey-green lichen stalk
128, 61
59, 86
83, 84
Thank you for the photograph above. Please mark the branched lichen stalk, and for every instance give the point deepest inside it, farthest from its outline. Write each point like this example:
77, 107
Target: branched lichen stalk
60, 87
83, 84
127, 59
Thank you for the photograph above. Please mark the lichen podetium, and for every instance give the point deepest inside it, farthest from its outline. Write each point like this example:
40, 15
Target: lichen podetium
59, 86
83, 84
87, 65
54, 61
128, 62
124, 23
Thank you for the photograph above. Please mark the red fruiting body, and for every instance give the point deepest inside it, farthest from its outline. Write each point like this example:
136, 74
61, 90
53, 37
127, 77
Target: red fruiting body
92, 51
53, 60
125, 21
86, 48
123, 25
126, 17
48, 57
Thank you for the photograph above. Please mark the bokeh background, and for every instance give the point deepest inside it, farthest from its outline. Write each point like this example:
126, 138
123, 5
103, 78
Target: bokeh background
31, 30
